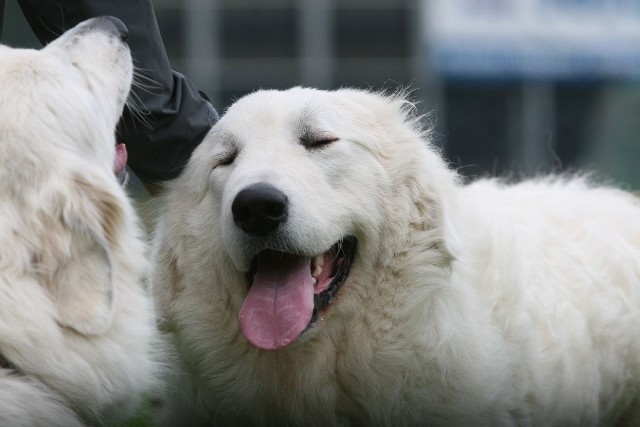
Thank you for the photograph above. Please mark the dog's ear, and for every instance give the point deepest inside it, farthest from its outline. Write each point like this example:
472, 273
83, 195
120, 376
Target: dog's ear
82, 286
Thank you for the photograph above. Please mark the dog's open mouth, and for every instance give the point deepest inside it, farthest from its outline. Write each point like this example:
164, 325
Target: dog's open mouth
288, 293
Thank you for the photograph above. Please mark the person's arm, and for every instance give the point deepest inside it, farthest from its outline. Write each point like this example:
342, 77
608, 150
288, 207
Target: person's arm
176, 116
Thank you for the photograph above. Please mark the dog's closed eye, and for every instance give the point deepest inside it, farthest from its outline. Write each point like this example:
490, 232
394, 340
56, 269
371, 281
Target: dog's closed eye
313, 140
227, 157
227, 150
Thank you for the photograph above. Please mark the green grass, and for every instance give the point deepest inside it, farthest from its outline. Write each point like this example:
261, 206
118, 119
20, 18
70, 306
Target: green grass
143, 418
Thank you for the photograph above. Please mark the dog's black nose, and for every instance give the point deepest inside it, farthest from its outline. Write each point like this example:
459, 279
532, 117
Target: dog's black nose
259, 209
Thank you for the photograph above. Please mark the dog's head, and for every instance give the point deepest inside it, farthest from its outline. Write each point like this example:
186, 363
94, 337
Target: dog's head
302, 186
69, 93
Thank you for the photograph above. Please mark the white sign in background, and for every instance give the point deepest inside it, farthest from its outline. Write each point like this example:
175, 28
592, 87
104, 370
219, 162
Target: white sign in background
547, 39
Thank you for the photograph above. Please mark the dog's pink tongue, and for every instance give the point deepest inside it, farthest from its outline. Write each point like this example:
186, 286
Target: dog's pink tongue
280, 302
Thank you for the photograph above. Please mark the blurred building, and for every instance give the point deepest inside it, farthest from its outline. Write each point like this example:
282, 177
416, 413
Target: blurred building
231, 47
529, 86
513, 86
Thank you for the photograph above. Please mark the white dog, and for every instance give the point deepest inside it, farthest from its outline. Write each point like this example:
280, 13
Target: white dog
319, 264
76, 325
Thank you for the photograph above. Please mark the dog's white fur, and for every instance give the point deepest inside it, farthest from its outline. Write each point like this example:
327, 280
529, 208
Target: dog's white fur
75, 320
480, 304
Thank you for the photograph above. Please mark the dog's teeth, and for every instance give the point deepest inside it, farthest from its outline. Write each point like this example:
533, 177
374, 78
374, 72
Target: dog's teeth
317, 264
316, 271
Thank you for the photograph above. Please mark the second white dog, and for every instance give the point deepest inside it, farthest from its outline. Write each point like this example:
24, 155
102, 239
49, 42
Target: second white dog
76, 324
319, 264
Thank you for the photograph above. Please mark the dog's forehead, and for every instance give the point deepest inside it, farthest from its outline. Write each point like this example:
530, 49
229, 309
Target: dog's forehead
24, 71
33, 71
4, 51
273, 108
31, 66
13, 60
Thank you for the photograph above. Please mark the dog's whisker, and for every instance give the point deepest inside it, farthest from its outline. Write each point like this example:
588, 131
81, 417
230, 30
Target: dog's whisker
57, 32
141, 80
138, 110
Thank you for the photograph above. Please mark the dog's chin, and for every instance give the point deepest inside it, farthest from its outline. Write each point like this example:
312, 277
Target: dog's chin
290, 294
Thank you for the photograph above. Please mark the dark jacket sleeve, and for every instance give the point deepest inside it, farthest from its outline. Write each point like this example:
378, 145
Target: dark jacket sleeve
175, 116
2, 5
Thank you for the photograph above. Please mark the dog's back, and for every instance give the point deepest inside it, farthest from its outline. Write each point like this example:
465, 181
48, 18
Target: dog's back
557, 261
